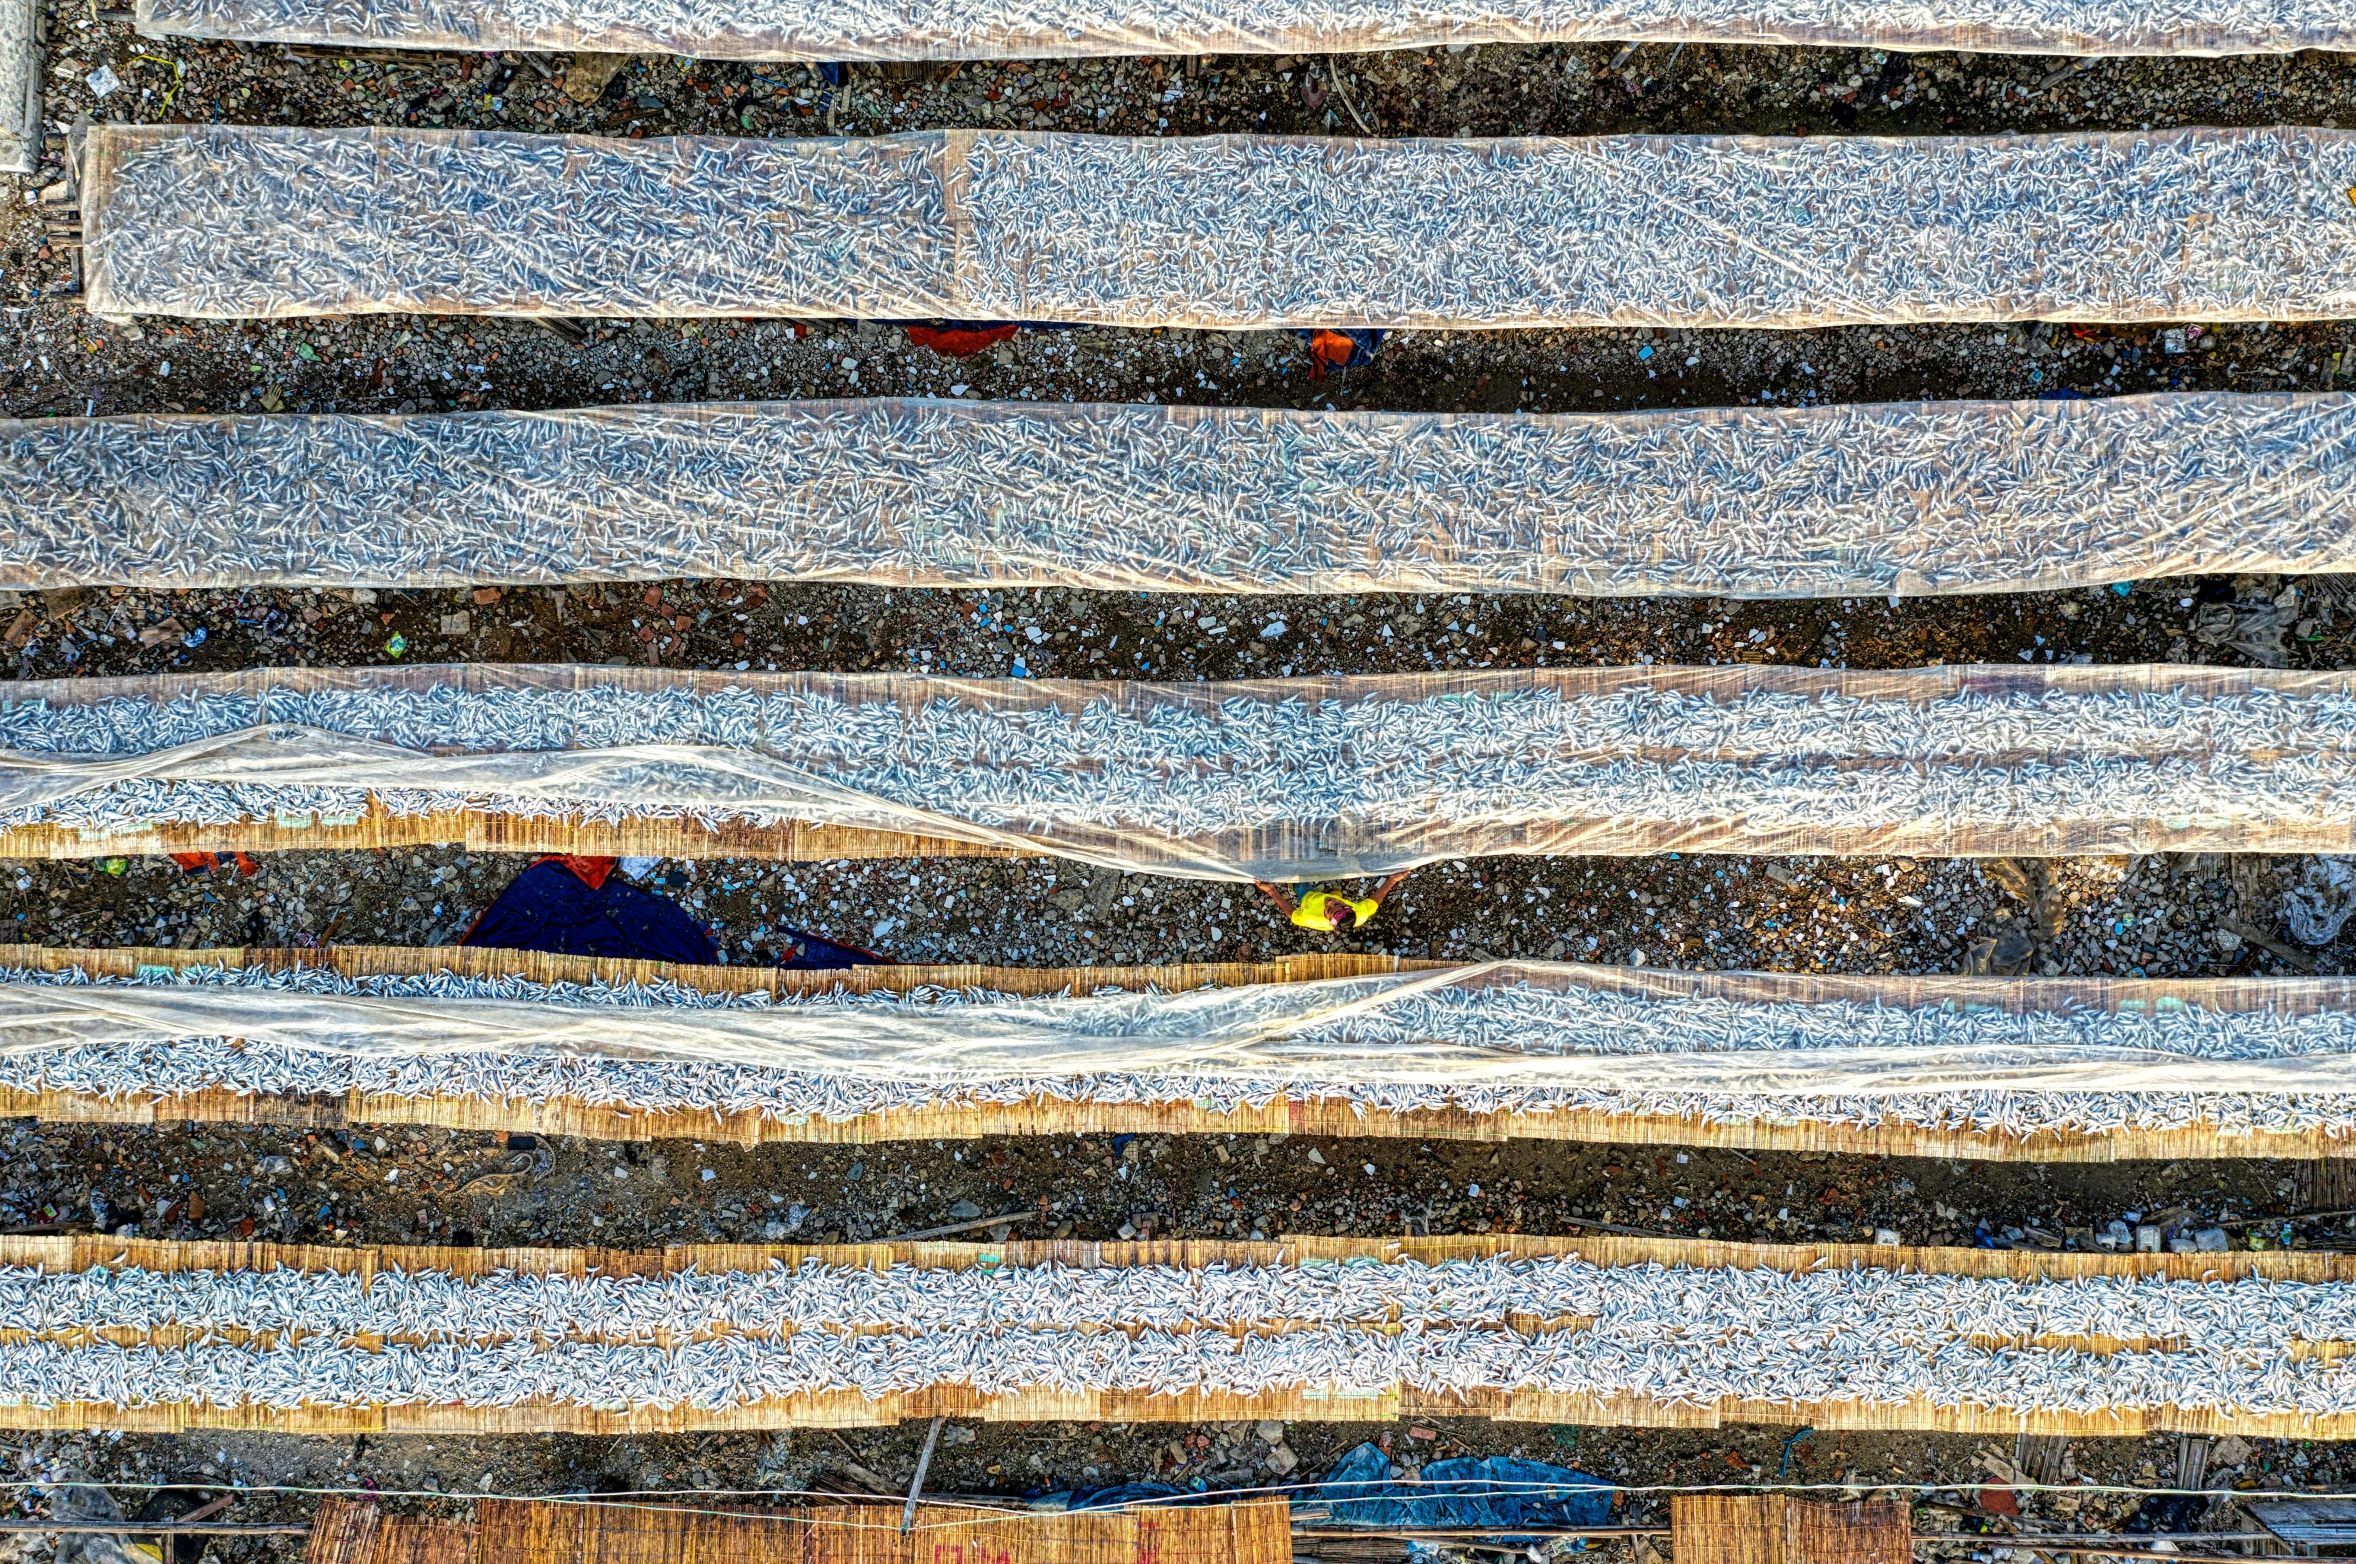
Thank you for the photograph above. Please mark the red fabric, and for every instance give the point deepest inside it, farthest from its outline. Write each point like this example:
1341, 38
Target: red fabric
589, 871
960, 341
1329, 350
205, 863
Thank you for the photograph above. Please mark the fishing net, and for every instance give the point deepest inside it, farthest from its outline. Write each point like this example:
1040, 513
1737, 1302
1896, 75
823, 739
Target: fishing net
1225, 232
1506, 1329
939, 30
1740, 502
1280, 779
1514, 1042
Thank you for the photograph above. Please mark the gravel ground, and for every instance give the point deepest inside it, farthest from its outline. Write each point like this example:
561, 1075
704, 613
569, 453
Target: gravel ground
1052, 633
2157, 916
428, 1185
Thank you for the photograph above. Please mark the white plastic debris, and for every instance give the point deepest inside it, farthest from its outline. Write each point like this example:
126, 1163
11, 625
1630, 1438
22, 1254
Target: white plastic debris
2319, 904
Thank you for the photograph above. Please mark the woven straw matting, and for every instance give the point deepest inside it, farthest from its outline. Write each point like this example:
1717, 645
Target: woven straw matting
791, 842
851, 1409
514, 1531
1039, 1116
1775, 1528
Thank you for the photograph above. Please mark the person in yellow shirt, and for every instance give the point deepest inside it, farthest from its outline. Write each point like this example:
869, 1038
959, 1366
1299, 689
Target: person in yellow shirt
1325, 912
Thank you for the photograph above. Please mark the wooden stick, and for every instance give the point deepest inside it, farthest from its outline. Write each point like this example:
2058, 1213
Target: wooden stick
924, 1460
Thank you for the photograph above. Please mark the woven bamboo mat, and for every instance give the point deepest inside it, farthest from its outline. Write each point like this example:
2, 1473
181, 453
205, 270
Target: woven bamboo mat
1044, 1116
848, 1409
78, 1252
791, 842
541, 967
1780, 1529
514, 1531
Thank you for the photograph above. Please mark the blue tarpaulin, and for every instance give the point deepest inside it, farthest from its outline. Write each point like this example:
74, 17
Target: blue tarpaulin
1466, 1493
1363, 1490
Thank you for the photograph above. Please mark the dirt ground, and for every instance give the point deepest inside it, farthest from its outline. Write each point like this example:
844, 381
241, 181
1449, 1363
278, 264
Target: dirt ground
2155, 916
438, 1475
382, 1184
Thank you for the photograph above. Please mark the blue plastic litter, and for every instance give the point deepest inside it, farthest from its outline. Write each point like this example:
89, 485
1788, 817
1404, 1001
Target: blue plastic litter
1110, 1498
1500, 1495
1465, 1494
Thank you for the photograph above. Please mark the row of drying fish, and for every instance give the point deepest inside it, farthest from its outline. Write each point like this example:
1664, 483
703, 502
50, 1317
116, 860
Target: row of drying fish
1865, 1340
1261, 780
2009, 1060
1672, 1306
1744, 502
1002, 29
1771, 1380
1225, 232
862, 729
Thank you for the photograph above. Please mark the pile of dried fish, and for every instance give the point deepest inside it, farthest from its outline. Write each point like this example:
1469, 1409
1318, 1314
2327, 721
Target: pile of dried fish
942, 29
1226, 232
2011, 1060
1319, 777
1684, 1335
1740, 502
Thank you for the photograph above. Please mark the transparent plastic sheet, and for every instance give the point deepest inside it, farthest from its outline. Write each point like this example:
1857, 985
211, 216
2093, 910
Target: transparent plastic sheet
2019, 1058
1225, 232
1738, 1331
942, 30
1262, 779
21, 125
1743, 502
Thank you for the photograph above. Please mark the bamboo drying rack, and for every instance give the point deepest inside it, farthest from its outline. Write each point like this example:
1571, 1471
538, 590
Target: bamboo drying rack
847, 1409
1372, 846
1042, 1115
